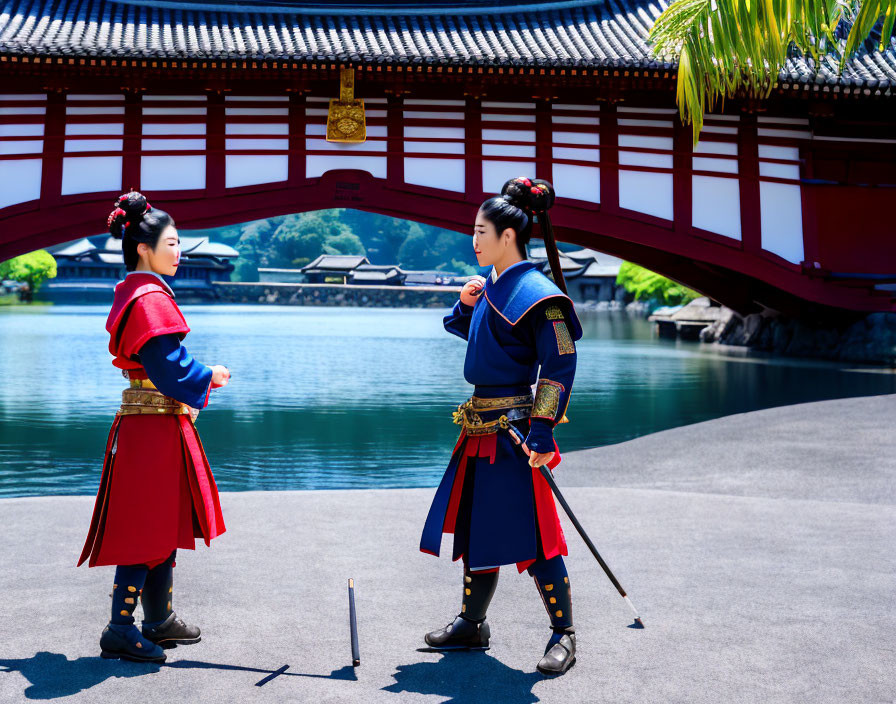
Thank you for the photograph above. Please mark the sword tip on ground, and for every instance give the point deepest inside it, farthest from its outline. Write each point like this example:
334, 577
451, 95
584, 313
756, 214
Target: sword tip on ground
637, 624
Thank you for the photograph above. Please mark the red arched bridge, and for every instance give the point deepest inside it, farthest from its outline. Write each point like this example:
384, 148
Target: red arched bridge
787, 207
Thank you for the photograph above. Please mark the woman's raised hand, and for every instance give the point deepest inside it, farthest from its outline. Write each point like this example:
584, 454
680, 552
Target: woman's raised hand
471, 290
220, 376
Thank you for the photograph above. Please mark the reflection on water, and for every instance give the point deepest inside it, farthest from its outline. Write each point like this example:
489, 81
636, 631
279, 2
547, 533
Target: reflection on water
325, 398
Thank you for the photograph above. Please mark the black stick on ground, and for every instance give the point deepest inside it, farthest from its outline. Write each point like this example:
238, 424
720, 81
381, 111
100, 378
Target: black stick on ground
546, 473
353, 623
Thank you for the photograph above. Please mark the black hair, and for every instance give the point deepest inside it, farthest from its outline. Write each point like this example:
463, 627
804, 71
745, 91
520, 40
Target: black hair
522, 202
134, 221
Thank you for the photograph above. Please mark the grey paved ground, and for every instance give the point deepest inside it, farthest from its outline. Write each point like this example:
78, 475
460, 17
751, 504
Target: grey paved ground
759, 549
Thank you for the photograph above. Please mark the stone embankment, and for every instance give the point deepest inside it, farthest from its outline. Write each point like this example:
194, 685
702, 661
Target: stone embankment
870, 339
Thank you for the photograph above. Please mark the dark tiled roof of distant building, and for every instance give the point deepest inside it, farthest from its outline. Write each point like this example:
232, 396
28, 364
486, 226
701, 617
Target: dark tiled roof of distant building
609, 33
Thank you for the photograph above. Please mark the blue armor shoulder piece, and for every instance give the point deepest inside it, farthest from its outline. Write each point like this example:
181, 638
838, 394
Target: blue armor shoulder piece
521, 288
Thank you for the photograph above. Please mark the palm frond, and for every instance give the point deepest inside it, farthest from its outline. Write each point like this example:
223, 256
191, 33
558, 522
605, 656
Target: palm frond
731, 47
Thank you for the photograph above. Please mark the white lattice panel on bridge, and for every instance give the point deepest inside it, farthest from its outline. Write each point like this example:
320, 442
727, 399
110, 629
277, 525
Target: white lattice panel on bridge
508, 143
715, 186
21, 128
175, 125
256, 123
575, 151
94, 129
435, 131
780, 194
647, 186
323, 156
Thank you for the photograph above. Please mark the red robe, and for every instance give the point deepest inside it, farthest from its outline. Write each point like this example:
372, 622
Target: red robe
157, 492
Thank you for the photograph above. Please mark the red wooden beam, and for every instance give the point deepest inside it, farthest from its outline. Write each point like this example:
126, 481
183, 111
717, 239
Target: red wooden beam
216, 158
473, 150
748, 170
54, 140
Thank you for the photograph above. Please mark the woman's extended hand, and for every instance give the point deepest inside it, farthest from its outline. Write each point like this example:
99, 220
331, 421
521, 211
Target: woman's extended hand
471, 291
220, 376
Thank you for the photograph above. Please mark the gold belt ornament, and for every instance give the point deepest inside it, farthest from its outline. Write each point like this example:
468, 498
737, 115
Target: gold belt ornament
143, 399
468, 413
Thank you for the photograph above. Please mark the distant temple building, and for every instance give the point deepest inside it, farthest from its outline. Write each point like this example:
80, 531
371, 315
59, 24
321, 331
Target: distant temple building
590, 275
357, 270
88, 269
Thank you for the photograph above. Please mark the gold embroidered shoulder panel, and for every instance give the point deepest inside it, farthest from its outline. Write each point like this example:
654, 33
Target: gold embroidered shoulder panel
565, 345
553, 313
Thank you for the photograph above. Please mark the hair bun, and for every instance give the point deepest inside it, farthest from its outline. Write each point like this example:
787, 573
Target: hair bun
531, 195
129, 210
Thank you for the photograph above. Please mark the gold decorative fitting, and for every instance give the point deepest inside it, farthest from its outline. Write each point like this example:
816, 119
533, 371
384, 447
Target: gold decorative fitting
553, 600
565, 345
129, 600
468, 579
346, 121
169, 606
463, 608
468, 413
547, 399
146, 401
132, 589
559, 613
566, 580
125, 613
489, 404
548, 587
139, 644
467, 592
553, 313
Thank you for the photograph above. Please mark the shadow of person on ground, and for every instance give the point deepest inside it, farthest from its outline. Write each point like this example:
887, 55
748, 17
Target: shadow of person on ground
343, 673
53, 675
467, 678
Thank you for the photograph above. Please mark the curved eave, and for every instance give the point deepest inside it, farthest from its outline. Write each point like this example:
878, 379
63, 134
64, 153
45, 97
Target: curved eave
608, 34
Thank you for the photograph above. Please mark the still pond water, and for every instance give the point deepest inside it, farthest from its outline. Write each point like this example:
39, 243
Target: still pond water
329, 398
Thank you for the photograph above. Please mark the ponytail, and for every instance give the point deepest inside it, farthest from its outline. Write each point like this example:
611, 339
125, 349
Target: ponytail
550, 246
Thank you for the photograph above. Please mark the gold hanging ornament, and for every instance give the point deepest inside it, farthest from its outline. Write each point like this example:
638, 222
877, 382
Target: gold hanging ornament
345, 119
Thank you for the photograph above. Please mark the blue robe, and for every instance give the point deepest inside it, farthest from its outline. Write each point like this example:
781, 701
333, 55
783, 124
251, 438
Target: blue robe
521, 329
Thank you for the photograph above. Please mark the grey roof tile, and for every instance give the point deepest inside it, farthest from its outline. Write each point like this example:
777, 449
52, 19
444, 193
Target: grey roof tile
604, 33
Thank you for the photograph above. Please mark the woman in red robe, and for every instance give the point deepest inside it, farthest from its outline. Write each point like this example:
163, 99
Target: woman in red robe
157, 492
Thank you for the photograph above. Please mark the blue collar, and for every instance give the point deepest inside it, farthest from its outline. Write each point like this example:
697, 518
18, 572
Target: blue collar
518, 289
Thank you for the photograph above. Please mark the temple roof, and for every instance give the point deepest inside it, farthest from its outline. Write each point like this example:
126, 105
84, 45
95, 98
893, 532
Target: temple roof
521, 33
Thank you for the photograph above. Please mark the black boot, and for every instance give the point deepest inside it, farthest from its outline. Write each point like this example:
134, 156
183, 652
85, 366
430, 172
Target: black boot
172, 632
126, 643
463, 634
560, 654
552, 581
160, 623
121, 639
469, 631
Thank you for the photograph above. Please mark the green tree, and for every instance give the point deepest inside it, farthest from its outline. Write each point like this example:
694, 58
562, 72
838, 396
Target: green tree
647, 285
732, 47
344, 243
32, 269
294, 240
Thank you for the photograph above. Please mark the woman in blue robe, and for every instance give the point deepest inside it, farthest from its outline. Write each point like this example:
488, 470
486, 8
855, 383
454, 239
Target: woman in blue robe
520, 328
